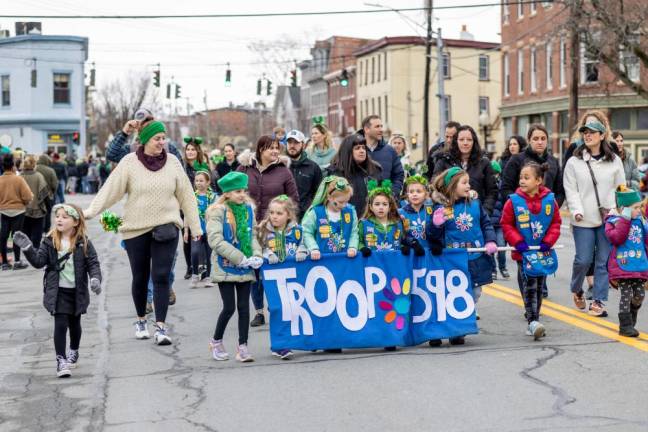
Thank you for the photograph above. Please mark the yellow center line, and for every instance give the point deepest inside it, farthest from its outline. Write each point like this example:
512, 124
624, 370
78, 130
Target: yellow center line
509, 296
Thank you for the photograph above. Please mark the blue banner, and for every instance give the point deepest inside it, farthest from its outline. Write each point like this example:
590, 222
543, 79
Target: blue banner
384, 300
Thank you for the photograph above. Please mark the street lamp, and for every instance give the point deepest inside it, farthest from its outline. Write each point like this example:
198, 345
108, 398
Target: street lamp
484, 123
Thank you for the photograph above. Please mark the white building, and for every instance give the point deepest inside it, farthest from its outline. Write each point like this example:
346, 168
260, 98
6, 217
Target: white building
42, 100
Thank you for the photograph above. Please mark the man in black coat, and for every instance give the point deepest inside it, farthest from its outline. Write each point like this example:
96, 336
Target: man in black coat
307, 173
442, 145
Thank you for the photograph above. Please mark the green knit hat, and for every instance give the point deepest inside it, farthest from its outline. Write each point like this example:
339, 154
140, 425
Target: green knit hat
496, 167
626, 197
150, 130
233, 180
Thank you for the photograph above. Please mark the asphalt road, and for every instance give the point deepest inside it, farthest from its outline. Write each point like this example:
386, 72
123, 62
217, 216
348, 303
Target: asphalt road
581, 377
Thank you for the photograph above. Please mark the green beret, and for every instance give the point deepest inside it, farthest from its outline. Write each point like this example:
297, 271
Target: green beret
232, 181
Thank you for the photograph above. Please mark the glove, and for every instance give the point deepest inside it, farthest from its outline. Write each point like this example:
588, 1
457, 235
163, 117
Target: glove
255, 262
244, 264
522, 247
418, 249
272, 258
405, 250
301, 255
351, 252
491, 248
626, 213
439, 217
21, 240
366, 252
544, 247
473, 194
95, 286
436, 248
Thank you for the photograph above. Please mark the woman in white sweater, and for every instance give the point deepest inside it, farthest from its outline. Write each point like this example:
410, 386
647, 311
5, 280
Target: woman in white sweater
591, 177
157, 188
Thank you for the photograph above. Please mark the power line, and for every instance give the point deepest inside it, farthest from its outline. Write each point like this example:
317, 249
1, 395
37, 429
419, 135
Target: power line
261, 14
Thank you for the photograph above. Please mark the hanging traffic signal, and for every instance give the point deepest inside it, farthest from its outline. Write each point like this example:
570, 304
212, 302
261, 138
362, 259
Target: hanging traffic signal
156, 78
293, 78
177, 92
344, 78
75, 137
228, 76
259, 85
93, 75
269, 88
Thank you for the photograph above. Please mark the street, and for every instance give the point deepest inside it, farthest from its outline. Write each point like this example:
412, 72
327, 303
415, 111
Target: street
582, 376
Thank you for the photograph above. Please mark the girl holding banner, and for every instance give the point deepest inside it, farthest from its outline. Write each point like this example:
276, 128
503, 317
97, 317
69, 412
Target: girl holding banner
416, 213
458, 221
531, 217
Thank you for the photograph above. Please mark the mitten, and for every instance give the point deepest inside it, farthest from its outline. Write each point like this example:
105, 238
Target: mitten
439, 217
544, 247
405, 250
272, 258
491, 248
21, 240
418, 249
244, 264
301, 255
95, 286
522, 247
366, 252
436, 248
255, 262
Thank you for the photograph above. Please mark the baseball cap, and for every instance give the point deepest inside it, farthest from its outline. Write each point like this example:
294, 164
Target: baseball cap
595, 126
296, 135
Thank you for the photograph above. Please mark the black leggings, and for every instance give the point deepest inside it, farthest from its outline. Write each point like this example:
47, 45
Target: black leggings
242, 304
10, 225
186, 250
200, 256
154, 259
63, 322
531, 290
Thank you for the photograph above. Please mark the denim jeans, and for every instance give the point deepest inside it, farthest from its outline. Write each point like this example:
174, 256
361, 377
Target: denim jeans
586, 241
501, 255
60, 192
149, 295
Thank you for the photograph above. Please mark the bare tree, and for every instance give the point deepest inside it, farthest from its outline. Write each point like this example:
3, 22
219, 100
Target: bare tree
276, 57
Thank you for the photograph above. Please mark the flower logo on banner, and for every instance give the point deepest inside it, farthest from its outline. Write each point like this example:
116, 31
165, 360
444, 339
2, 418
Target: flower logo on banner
399, 303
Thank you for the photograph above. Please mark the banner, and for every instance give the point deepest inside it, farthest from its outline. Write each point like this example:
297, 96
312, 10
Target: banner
384, 300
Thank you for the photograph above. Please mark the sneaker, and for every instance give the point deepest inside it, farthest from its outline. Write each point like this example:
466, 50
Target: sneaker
536, 329
258, 321
494, 275
528, 331
195, 280
62, 367
390, 349
283, 354
187, 275
161, 336
459, 340
579, 301
149, 308
589, 294
597, 309
19, 265
6, 267
141, 330
172, 297
243, 355
505, 274
73, 358
435, 343
218, 350
207, 282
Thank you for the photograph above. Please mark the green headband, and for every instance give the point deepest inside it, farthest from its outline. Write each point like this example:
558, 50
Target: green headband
341, 184
416, 179
283, 197
192, 140
450, 174
374, 189
148, 131
71, 211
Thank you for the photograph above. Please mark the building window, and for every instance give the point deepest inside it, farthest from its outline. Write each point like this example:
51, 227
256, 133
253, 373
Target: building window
386, 110
620, 118
520, 71
484, 68
505, 12
373, 106
563, 62
534, 75
484, 105
520, 10
533, 8
446, 65
448, 107
385, 66
366, 77
373, 70
61, 88
6, 90
379, 107
589, 65
507, 76
360, 74
642, 118
628, 60
378, 73
547, 4
549, 65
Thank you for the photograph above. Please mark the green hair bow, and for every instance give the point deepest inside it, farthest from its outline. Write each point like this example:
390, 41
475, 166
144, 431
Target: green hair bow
374, 189
192, 140
341, 184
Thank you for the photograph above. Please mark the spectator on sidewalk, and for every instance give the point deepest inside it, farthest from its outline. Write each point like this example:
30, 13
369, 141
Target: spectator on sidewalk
36, 210
43, 166
443, 145
14, 197
307, 173
321, 150
62, 175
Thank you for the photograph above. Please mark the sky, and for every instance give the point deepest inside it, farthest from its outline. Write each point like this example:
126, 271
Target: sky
194, 51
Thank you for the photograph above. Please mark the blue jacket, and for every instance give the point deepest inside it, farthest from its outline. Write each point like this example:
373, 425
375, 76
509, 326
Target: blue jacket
388, 159
119, 148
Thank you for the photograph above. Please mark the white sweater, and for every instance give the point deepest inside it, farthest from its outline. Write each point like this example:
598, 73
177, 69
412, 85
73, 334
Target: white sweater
154, 197
579, 188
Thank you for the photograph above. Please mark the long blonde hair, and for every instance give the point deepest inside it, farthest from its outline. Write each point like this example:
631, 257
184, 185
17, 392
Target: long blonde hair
221, 202
328, 141
79, 232
288, 206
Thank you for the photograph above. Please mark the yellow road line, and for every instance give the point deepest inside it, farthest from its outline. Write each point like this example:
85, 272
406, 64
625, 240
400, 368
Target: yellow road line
578, 314
576, 322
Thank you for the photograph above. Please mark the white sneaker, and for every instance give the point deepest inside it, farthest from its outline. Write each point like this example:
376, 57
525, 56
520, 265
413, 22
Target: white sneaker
207, 282
161, 337
218, 350
141, 330
537, 330
195, 280
62, 367
243, 355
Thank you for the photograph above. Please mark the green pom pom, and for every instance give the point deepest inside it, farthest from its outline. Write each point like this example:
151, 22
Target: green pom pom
110, 221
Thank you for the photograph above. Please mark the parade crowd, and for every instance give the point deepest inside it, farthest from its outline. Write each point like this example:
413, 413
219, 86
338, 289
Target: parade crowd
286, 199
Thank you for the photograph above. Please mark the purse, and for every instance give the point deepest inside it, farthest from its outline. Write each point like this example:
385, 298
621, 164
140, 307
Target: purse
165, 233
603, 212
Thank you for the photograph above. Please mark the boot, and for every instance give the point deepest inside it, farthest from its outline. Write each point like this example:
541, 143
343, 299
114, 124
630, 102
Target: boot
625, 325
634, 310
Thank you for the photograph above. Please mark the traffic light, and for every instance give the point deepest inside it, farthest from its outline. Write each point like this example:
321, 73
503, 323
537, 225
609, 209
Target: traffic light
228, 77
75, 137
156, 78
177, 93
168, 91
269, 88
293, 78
344, 78
259, 85
93, 75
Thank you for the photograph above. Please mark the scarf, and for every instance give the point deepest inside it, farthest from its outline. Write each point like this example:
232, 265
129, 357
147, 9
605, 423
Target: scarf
152, 163
243, 233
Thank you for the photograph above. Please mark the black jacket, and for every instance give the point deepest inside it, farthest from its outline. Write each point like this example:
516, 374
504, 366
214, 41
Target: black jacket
308, 176
82, 169
482, 178
358, 182
224, 168
552, 178
433, 154
85, 266
61, 170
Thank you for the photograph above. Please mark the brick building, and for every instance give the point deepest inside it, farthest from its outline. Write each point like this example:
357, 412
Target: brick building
536, 77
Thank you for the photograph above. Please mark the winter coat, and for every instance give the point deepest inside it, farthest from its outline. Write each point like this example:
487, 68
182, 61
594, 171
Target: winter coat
37, 184
221, 247
433, 156
482, 178
120, 147
510, 230
43, 167
358, 182
85, 266
499, 204
552, 178
388, 159
632, 174
61, 170
14, 192
617, 233
224, 167
82, 169
321, 157
276, 179
308, 176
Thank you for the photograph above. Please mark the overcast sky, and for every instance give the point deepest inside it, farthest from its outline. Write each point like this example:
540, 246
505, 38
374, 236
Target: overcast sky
190, 49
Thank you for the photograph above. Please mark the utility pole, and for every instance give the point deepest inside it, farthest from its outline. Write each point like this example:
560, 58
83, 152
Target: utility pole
574, 64
206, 117
441, 83
426, 89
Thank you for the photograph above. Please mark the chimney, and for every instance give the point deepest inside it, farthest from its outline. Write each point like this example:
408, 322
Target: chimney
465, 34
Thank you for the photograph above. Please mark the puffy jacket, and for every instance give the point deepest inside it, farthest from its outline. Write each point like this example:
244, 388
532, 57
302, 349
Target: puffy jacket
276, 179
308, 176
85, 266
388, 159
632, 174
617, 233
358, 182
43, 167
224, 167
482, 178
509, 228
120, 147
552, 178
